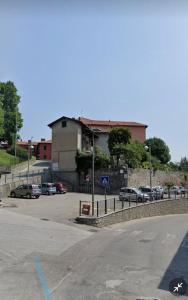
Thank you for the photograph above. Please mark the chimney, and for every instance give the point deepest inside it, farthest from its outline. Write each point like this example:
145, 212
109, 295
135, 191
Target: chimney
42, 140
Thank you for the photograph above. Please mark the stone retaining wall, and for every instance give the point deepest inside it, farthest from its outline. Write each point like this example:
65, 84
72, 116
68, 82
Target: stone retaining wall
6, 188
158, 208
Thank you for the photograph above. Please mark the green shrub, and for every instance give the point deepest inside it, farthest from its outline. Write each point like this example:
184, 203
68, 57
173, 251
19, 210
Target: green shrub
20, 152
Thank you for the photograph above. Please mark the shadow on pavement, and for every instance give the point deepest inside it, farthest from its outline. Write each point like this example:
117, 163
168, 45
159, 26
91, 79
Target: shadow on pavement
178, 267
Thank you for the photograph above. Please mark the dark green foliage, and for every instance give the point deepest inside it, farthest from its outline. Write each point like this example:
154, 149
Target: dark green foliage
173, 166
20, 152
118, 138
10, 118
183, 164
134, 154
159, 149
84, 160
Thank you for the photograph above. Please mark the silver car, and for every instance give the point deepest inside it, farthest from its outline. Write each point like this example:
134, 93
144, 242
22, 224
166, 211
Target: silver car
26, 190
132, 194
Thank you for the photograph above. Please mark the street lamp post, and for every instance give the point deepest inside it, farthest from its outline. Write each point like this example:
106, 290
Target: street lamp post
94, 130
150, 166
30, 147
93, 172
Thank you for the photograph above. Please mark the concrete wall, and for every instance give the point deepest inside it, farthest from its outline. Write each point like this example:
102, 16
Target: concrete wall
6, 188
140, 177
21, 166
136, 178
158, 208
65, 143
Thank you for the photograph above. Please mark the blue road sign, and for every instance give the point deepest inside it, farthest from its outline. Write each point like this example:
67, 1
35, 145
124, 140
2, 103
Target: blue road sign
104, 180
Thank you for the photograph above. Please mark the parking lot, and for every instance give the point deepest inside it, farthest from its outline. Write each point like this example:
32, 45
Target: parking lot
60, 208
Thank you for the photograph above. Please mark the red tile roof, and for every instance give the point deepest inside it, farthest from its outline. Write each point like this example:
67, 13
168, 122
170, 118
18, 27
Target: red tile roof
109, 123
45, 142
25, 143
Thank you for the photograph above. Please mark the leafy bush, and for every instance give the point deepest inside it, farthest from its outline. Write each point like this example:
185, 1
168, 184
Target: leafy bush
84, 160
20, 152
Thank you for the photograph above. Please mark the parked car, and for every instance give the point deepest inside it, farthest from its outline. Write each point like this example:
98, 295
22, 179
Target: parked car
160, 191
60, 188
48, 188
153, 195
175, 190
183, 190
26, 190
132, 194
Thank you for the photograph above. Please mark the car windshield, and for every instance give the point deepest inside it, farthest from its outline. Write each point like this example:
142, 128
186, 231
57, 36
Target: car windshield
145, 190
137, 191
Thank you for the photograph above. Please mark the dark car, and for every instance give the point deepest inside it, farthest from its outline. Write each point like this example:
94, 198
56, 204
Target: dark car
26, 190
60, 188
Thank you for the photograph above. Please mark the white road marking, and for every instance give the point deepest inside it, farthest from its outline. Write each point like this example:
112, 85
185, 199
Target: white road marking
168, 238
150, 236
113, 283
136, 232
60, 282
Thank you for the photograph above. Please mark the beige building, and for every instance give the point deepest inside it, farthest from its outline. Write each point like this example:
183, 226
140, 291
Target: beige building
70, 135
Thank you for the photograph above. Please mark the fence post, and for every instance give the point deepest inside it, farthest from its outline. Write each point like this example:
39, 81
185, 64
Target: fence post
114, 204
105, 206
12, 177
5, 178
129, 200
80, 208
136, 199
122, 203
97, 209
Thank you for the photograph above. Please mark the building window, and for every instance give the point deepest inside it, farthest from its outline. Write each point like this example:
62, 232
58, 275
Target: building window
64, 124
44, 147
44, 156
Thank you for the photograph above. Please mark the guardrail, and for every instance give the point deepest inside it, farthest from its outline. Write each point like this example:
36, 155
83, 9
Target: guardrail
105, 206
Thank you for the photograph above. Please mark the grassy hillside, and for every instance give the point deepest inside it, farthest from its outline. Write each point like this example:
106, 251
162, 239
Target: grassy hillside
7, 159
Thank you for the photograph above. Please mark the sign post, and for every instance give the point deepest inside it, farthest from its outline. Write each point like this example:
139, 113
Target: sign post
105, 181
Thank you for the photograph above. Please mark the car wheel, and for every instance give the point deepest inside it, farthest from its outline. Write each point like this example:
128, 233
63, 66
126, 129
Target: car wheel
28, 196
139, 199
37, 196
13, 194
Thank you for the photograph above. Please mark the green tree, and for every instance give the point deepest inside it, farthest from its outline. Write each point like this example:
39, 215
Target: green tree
1, 116
173, 166
134, 154
183, 164
12, 119
118, 138
159, 149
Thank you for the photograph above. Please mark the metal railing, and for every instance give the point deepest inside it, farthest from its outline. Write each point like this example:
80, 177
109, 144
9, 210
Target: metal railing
105, 206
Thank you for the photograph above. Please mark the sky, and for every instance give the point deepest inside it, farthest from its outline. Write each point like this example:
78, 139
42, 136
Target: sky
111, 60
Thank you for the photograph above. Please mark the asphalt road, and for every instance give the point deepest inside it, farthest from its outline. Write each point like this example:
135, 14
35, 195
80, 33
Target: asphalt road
133, 260
61, 208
